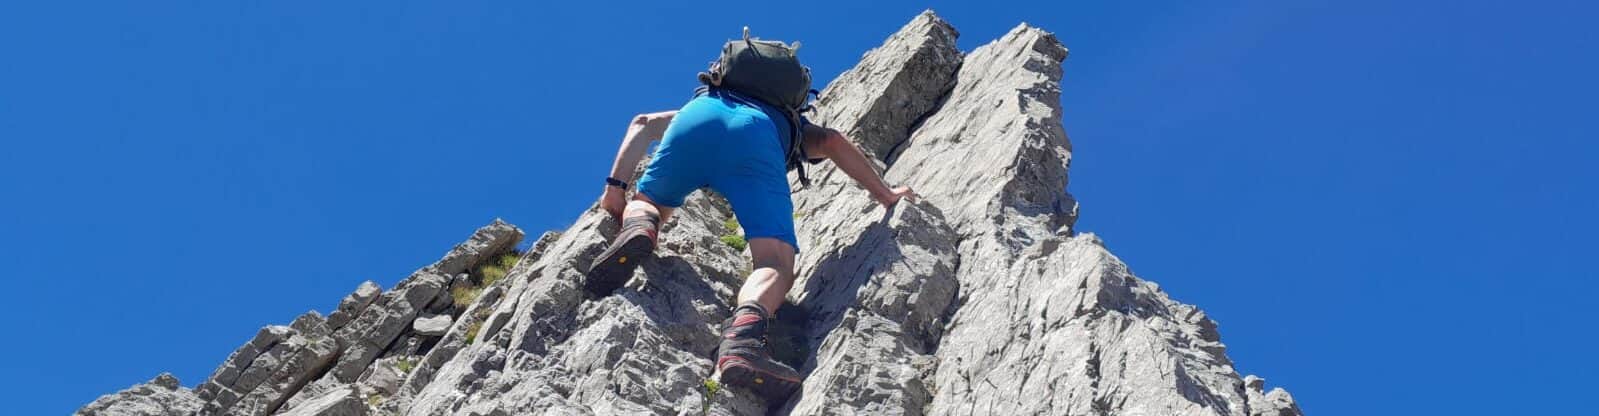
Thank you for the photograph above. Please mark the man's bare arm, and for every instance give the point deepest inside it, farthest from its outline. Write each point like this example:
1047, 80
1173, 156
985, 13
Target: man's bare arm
829, 143
644, 128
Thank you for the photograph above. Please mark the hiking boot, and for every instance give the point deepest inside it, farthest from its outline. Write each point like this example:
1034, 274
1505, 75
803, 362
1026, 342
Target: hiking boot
744, 359
614, 266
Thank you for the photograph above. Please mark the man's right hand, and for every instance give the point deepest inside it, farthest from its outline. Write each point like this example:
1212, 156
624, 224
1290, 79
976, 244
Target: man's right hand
895, 194
614, 201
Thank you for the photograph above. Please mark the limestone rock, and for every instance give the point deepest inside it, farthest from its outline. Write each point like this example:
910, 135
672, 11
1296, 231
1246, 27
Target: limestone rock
343, 401
994, 155
161, 396
1276, 403
431, 325
876, 102
354, 304
384, 375
286, 368
487, 242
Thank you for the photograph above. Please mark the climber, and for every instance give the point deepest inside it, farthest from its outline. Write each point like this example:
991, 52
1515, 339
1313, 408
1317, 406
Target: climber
735, 136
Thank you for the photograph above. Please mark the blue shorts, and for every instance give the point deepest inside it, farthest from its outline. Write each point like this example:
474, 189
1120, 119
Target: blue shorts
730, 144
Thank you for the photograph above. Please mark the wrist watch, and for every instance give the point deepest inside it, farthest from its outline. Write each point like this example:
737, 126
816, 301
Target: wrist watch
615, 182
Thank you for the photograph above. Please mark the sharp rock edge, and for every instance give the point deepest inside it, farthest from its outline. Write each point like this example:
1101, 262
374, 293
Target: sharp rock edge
978, 299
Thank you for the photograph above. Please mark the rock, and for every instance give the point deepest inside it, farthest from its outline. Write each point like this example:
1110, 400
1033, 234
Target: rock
342, 401
644, 350
1276, 403
368, 336
384, 375
296, 362
434, 325
993, 157
161, 396
876, 102
226, 377
260, 376
354, 304
1255, 384
489, 241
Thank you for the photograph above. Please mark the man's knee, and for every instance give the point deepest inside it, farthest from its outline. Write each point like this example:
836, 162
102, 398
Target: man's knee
774, 254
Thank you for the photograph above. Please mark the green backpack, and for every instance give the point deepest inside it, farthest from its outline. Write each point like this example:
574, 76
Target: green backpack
768, 71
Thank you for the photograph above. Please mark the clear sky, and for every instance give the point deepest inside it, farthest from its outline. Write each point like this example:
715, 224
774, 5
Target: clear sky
1388, 206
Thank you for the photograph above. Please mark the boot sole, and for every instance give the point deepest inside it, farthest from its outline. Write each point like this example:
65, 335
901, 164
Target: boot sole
616, 265
773, 388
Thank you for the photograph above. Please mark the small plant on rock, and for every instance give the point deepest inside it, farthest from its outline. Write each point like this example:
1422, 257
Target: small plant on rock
405, 365
735, 241
711, 387
472, 330
464, 296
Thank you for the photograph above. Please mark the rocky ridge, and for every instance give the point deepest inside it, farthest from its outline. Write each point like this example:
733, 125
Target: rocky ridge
979, 299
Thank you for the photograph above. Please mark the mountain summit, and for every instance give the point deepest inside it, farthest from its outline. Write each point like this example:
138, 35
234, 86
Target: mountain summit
979, 299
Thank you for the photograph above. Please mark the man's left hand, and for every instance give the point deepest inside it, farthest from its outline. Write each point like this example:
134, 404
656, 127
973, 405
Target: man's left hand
614, 201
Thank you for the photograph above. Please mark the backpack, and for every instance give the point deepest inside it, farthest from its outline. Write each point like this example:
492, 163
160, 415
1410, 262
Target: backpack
770, 72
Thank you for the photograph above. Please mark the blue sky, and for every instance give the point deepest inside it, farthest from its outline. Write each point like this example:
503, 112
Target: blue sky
1388, 206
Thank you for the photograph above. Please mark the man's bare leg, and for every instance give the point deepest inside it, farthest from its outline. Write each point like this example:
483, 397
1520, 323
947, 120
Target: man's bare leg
744, 359
773, 275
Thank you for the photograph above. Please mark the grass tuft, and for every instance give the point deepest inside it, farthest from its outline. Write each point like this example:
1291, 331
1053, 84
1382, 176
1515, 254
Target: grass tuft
735, 241
472, 330
464, 296
733, 238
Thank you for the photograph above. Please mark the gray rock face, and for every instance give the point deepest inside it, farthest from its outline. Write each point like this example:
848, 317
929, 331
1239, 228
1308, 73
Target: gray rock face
161, 396
342, 401
994, 156
876, 102
262, 374
978, 299
874, 283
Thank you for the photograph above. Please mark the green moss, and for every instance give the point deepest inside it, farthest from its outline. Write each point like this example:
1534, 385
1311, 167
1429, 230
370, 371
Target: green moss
735, 241
732, 224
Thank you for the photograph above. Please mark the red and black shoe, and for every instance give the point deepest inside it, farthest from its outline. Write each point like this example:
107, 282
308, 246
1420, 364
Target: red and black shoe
633, 244
744, 359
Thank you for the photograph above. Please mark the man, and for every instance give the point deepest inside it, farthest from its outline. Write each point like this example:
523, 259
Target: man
735, 144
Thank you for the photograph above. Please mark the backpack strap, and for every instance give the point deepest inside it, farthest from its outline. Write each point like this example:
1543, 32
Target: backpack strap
796, 146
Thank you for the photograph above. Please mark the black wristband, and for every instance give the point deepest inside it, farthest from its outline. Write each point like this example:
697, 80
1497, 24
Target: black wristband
615, 182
